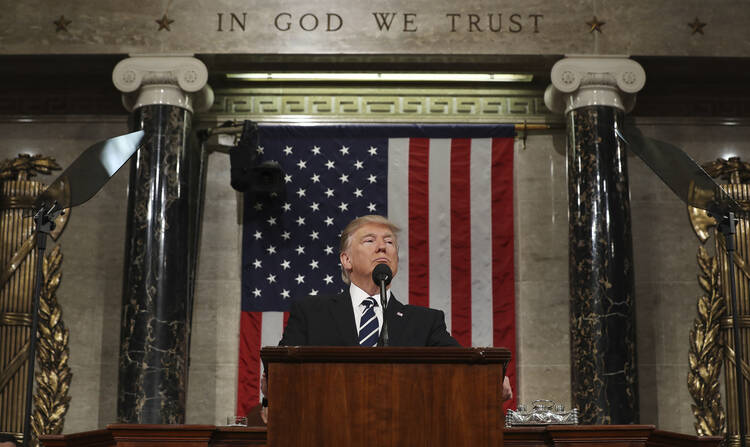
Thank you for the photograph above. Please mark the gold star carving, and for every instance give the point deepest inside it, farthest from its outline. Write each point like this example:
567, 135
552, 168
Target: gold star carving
697, 26
164, 23
595, 25
62, 24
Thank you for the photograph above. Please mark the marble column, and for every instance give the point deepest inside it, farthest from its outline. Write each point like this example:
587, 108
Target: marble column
595, 93
161, 241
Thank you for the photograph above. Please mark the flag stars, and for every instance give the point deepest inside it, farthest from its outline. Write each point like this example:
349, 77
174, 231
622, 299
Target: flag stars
271, 250
300, 279
313, 292
257, 235
329, 193
258, 206
257, 263
271, 279
287, 178
328, 279
302, 164
285, 294
359, 165
315, 178
260, 149
315, 206
271, 221
314, 264
372, 179
343, 206
286, 206
371, 207
301, 193
286, 235
344, 150
288, 150
315, 235
300, 250
316, 150
330, 164
328, 250
344, 178
256, 292
328, 221
300, 221
373, 151
285, 264
358, 192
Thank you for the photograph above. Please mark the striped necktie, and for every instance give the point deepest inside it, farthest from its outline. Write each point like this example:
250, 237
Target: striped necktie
368, 323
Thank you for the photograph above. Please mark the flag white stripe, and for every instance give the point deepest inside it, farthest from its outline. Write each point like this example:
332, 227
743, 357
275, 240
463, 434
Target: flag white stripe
398, 210
481, 242
272, 326
440, 226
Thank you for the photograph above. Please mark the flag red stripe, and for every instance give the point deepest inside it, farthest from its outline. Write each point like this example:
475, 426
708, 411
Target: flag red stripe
460, 196
248, 376
503, 294
419, 252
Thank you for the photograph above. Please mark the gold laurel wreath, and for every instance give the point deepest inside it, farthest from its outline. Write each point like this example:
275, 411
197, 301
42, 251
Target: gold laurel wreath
705, 350
52, 398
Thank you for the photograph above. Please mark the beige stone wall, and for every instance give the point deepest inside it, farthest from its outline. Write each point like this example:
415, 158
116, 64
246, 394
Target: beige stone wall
664, 252
640, 27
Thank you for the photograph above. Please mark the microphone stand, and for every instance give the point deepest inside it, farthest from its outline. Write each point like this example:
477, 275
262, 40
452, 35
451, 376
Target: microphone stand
727, 228
692, 184
383, 339
77, 184
44, 218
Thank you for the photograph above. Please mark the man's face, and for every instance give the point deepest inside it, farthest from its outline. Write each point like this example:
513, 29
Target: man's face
370, 245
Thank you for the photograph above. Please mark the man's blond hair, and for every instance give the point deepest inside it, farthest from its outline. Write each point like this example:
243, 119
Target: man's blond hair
348, 232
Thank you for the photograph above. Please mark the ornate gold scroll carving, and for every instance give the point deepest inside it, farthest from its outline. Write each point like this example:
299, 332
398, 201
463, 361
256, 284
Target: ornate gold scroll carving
735, 172
52, 397
704, 354
17, 272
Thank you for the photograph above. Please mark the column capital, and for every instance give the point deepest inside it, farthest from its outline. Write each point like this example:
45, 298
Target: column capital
588, 80
177, 80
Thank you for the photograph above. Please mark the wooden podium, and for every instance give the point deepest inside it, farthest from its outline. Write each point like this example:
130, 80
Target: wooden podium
353, 396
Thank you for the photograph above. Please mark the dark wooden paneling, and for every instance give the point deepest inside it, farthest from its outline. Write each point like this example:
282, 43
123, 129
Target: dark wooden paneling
389, 397
568, 436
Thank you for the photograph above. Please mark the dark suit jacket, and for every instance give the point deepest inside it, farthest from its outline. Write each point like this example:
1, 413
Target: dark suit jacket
329, 321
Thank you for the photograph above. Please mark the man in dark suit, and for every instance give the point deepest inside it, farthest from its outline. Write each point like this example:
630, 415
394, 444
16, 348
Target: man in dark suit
341, 320
347, 319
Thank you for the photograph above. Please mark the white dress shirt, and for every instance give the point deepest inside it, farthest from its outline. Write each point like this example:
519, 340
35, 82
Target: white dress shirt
358, 295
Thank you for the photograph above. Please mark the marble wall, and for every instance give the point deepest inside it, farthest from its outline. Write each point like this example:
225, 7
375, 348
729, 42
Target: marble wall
664, 254
642, 27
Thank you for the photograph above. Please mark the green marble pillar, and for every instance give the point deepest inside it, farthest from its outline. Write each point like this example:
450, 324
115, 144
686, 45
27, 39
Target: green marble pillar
161, 240
604, 373
594, 93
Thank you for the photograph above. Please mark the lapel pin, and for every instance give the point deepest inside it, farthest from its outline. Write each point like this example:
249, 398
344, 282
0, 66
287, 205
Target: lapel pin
399, 314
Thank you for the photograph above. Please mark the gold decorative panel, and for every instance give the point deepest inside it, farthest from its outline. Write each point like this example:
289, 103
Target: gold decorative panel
18, 258
712, 331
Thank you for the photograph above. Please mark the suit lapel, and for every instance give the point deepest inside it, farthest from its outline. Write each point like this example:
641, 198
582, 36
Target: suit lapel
343, 315
396, 318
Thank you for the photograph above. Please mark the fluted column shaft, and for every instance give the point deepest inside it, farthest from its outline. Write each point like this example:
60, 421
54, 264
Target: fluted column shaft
160, 239
595, 93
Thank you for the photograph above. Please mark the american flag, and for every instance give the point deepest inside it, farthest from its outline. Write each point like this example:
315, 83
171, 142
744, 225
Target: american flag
449, 188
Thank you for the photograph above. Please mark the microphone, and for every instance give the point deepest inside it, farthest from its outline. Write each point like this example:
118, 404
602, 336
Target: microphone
382, 275
382, 272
